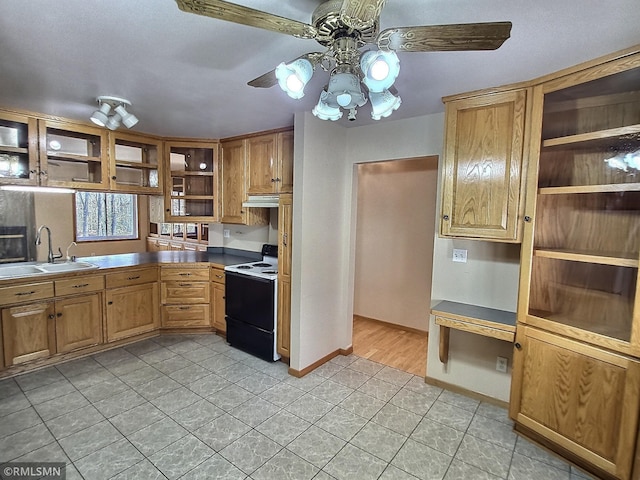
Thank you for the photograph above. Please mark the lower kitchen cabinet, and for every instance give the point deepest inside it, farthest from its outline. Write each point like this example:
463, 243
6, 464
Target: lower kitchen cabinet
28, 332
185, 296
583, 399
132, 303
218, 320
78, 322
284, 318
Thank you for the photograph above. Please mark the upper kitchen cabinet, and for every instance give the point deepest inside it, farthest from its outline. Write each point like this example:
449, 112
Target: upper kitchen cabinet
270, 163
18, 149
135, 163
576, 373
484, 166
191, 185
234, 187
73, 155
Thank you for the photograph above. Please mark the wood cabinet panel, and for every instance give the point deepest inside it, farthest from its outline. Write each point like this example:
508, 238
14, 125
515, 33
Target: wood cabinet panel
180, 316
284, 318
73, 286
583, 398
483, 167
285, 161
28, 332
132, 310
78, 322
132, 277
261, 164
26, 293
185, 292
191, 274
218, 318
217, 275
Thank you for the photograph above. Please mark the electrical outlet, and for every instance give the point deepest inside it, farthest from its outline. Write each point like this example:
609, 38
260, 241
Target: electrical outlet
501, 364
459, 255
225, 233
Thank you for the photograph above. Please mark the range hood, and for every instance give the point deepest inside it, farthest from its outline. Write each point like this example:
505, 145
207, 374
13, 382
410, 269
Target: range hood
262, 201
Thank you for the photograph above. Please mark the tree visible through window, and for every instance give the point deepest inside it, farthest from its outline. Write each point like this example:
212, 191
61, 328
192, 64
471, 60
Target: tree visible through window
106, 216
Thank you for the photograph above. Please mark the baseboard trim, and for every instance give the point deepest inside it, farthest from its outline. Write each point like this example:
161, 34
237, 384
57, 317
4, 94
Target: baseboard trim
322, 361
392, 325
467, 393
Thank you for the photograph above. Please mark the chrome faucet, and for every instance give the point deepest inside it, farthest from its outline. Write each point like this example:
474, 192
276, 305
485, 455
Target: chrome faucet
71, 258
50, 257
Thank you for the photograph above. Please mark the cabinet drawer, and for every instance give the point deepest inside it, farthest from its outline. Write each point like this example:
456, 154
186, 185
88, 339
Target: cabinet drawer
26, 293
185, 292
217, 275
132, 277
185, 273
72, 286
185, 316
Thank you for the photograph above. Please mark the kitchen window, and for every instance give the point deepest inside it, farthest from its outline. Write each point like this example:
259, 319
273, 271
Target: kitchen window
106, 216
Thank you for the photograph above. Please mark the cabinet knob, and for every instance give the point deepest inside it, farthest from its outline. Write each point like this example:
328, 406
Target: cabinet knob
445, 217
58, 314
273, 180
517, 345
167, 210
109, 303
113, 178
527, 218
51, 316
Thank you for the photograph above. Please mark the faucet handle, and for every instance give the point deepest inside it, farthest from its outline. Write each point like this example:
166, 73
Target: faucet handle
73, 257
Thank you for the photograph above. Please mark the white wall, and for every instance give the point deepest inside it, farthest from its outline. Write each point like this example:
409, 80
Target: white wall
324, 227
243, 237
394, 240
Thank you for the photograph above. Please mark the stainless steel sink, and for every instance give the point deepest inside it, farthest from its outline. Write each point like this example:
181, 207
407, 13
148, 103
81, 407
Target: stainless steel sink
66, 267
34, 269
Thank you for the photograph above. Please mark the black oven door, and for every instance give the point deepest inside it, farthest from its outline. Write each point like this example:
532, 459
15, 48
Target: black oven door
250, 300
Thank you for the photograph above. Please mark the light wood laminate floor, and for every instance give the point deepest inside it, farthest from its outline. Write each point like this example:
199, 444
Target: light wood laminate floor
401, 349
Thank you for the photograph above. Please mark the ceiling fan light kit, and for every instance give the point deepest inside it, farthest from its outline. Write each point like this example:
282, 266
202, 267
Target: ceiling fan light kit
344, 27
119, 114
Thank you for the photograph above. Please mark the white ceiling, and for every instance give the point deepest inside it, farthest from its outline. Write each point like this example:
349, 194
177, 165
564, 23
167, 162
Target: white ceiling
187, 75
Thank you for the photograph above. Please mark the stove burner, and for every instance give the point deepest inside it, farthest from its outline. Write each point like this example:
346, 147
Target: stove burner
244, 267
261, 264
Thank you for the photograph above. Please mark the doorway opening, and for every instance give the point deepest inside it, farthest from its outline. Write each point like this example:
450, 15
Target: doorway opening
395, 230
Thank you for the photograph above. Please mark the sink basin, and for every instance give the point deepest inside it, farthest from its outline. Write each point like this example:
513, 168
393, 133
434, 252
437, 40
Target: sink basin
19, 271
29, 270
66, 267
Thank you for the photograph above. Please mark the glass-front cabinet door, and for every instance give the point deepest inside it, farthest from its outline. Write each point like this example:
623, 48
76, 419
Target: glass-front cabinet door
583, 278
191, 182
135, 163
73, 156
18, 149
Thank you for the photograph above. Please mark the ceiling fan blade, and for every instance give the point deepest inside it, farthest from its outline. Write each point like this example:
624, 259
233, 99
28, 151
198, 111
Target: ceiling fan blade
434, 38
269, 79
247, 16
360, 14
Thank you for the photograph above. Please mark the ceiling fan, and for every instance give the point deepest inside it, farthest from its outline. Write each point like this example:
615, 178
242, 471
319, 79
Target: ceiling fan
343, 27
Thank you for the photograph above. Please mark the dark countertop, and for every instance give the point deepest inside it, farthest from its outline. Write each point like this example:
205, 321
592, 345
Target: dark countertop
474, 311
135, 259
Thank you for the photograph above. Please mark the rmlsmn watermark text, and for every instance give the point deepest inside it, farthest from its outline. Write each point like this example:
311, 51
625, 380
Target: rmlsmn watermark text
33, 470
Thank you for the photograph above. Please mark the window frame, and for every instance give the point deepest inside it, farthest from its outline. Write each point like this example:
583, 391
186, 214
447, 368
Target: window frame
106, 239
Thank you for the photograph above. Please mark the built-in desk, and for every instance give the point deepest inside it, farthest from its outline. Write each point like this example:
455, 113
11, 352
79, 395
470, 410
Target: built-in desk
488, 322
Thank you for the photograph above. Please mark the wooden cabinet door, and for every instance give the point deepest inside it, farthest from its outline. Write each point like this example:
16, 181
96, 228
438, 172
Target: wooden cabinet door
132, 310
582, 398
233, 192
483, 167
285, 223
284, 318
218, 320
78, 322
261, 164
284, 177
28, 332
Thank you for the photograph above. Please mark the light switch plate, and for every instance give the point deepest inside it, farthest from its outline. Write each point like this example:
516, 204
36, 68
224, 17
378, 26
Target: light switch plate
459, 255
225, 233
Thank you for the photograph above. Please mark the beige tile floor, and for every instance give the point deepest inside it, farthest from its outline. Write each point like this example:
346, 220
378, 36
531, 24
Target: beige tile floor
191, 407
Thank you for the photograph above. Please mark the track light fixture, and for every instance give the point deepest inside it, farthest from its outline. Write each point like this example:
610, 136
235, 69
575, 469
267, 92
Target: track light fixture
117, 107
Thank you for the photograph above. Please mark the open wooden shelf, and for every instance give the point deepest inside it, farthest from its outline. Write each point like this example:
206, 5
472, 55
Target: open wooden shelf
607, 188
8, 149
593, 139
127, 164
183, 173
618, 259
73, 158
